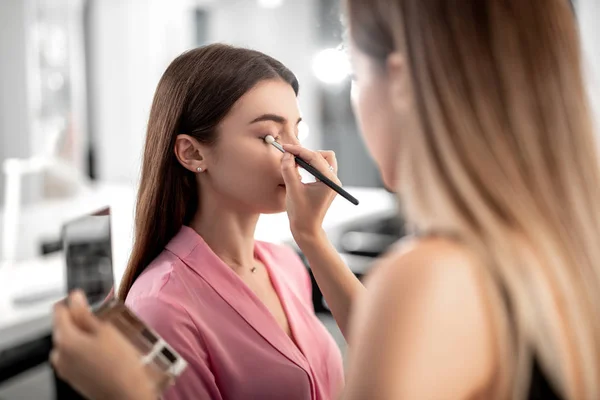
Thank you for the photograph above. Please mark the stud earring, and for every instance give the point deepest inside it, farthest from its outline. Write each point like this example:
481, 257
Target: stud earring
199, 169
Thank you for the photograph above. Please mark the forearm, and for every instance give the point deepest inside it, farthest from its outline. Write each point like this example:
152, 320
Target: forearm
339, 285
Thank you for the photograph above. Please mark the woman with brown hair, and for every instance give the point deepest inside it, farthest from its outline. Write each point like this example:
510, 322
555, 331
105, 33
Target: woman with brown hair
239, 311
476, 114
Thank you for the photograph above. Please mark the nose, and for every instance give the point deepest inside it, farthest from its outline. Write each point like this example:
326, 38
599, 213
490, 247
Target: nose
288, 137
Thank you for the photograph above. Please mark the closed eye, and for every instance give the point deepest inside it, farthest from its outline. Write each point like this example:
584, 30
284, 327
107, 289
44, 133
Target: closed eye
276, 137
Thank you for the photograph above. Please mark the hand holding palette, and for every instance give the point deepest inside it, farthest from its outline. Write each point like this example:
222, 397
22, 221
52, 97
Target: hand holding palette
163, 364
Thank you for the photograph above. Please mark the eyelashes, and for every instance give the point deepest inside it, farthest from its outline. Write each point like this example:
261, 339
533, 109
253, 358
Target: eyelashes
276, 137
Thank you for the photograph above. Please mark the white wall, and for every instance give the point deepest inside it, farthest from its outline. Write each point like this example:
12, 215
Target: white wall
14, 140
132, 42
15, 96
287, 33
589, 16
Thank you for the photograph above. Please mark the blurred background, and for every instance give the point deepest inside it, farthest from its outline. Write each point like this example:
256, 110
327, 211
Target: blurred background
76, 84
77, 79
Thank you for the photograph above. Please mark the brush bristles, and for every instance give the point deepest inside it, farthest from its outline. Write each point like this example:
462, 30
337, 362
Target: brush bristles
269, 139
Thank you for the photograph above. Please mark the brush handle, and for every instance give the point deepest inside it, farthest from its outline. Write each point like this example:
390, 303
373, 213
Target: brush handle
317, 174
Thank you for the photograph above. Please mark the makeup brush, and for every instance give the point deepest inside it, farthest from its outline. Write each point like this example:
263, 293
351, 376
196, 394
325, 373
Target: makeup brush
314, 172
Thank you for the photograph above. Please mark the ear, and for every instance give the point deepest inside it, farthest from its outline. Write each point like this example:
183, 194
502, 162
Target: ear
190, 153
399, 80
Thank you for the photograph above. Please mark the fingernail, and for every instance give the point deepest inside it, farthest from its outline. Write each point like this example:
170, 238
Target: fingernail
79, 298
287, 156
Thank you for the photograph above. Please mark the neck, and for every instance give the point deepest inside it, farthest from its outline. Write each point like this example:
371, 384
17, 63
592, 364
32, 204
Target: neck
228, 232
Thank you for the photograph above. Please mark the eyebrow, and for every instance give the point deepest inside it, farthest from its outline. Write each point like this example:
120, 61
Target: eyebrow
274, 118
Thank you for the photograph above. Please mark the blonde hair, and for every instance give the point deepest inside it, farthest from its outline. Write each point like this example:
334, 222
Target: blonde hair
506, 158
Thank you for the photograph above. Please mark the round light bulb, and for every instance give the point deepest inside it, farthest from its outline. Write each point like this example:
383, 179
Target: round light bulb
331, 66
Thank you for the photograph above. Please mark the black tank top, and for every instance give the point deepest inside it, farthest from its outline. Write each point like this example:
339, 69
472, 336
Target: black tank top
540, 387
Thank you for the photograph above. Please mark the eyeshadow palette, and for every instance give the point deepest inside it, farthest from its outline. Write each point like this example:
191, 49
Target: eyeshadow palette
163, 363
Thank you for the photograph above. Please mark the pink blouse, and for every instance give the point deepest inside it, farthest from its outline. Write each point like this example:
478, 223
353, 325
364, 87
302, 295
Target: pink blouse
234, 347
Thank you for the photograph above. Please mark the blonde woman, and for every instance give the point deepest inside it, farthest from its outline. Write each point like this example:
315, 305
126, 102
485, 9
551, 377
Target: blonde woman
476, 114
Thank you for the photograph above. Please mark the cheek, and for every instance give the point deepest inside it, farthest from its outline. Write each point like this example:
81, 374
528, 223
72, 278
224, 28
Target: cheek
376, 119
258, 167
250, 176
370, 109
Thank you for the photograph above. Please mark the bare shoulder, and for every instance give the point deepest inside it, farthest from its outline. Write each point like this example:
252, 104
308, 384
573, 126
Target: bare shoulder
427, 261
424, 319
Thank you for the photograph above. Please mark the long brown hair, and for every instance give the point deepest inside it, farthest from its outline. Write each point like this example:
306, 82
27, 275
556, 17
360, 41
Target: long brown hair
506, 157
193, 96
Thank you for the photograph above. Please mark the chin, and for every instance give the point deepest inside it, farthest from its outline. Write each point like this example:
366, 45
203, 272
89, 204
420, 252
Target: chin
390, 188
389, 182
273, 210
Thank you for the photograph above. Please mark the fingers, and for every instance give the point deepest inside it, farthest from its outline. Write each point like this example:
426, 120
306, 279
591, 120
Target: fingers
57, 362
329, 156
307, 155
289, 171
321, 160
55, 359
63, 326
64, 337
81, 313
71, 325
